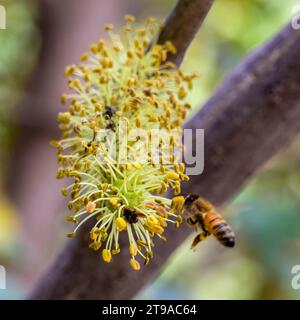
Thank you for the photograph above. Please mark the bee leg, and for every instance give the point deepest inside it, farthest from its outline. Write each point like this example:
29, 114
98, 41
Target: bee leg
191, 221
200, 237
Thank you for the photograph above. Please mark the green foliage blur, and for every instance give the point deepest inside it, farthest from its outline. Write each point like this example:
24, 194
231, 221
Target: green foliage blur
19, 48
265, 215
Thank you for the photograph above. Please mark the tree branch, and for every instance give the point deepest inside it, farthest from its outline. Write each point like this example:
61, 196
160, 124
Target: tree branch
182, 25
254, 114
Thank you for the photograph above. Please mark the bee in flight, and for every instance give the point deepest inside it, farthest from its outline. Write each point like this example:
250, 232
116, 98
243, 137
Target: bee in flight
109, 112
203, 214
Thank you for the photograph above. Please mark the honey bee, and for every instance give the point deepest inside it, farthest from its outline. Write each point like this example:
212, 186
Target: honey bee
211, 222
108, 114
131, 215
111, 126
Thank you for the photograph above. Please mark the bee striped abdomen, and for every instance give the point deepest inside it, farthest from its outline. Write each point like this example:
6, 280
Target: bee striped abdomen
217, 226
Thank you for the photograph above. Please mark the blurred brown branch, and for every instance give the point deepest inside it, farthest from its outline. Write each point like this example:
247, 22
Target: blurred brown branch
249, 119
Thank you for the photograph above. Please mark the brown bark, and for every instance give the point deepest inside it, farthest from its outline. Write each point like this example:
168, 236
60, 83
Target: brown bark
183, 24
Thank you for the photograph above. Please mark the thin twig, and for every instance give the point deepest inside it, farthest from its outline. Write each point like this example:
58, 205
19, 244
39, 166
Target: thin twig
183, 24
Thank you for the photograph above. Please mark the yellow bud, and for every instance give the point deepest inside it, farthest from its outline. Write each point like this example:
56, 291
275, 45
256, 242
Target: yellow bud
133, 249
129, 18
98, 69
71, 235
121, 224
64, 117
95, 245
54, 143
170, 47
177, 189
182, 93
146, 43
90, 207
94, 48
158, 229
106, 62
116, 251
182, 167
106, 255
101, 44
142, 32
137, 165
103, 79
177, 202
161, 211
105, 52
76, 106
138, 123
150, 19
77, 84
63, 99
164, 188
152, 220
162, 169
131, 82
179, 219
94, 233
135, 264
114, 202
129, 54
108, 27
98, 107
70, 205
185, 177
162, 222
104, 235
113, 100
172, 176
69, 70
86, 77
64, 191
170, 65
71, 219
116, 48
84, 57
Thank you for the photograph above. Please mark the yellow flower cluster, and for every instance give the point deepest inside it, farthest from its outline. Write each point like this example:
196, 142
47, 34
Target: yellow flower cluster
131, 83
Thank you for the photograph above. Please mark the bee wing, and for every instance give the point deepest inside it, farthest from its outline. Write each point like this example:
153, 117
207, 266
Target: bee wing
140, 214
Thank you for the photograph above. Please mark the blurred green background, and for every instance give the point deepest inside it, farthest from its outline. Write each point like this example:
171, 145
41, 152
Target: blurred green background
265, 215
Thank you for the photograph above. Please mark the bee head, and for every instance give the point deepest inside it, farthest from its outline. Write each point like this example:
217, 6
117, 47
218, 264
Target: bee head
190, 199
130, 215
109, 112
